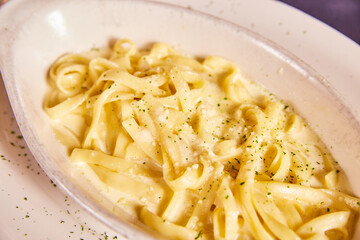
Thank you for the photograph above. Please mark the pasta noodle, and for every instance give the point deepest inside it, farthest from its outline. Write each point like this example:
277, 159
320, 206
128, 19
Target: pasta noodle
194, 149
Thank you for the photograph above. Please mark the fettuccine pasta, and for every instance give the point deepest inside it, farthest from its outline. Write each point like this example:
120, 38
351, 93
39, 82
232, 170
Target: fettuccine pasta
193, 149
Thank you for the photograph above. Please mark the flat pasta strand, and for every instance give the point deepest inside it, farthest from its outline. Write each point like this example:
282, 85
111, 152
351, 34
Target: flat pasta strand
194, 149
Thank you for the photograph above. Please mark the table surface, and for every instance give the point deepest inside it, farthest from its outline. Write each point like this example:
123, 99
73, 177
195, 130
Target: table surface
343, 15
33, 207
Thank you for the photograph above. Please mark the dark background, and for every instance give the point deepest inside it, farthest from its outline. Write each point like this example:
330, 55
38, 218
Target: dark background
343, 15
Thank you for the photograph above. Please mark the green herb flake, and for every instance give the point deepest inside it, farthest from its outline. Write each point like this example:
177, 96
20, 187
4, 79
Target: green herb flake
199, 235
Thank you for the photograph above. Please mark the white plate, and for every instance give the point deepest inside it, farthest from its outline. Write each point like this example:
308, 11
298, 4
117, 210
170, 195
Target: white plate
56, 29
